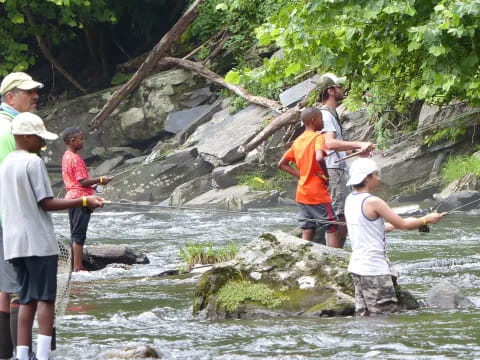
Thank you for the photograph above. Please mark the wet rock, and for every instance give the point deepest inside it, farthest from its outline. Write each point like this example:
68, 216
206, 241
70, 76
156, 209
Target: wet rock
180, 120
468, 182
447, 296
196, 97
280, 275
464, 200
98, 257
139, 352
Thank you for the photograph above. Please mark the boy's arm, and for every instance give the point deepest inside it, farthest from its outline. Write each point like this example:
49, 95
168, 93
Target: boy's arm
103, 180
51, 203
321, 162
284, 164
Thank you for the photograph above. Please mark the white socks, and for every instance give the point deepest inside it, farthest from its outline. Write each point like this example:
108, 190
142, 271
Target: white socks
22, 352
44, 343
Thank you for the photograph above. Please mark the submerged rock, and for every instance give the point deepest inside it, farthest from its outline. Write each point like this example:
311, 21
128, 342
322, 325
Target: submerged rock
281, 275
447, 296
98, 257
139, 352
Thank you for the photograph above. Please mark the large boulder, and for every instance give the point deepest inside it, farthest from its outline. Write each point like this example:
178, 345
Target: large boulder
155, 181
218, 141
445, 295
280, 275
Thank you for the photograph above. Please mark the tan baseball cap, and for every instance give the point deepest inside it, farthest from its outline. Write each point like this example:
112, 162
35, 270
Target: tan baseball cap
18, 80
30, 124
328, 80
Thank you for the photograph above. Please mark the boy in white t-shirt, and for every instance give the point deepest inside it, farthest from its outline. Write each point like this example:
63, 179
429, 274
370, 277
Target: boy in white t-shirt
28, 237
369, 265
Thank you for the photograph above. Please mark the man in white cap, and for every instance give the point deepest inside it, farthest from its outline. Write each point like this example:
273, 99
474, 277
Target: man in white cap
29, 241
19, 93
369, 266
331, 93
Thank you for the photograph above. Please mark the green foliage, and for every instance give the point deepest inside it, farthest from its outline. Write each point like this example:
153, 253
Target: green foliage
258, 182
458, 166
398, 51
205, 253
447, 133
235, 292
120, 78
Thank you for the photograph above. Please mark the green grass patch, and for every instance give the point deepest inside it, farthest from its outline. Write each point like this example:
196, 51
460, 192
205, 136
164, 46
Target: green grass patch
258, 182
235, 292
458, 166
205, 253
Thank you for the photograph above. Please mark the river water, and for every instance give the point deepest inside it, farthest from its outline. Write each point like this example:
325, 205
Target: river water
116, 308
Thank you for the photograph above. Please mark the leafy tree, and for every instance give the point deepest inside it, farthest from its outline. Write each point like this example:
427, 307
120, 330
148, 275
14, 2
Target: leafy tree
397, 51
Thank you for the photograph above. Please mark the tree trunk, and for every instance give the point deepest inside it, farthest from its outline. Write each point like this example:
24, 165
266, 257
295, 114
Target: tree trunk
289, 117
210, 75
42, 44
162, 48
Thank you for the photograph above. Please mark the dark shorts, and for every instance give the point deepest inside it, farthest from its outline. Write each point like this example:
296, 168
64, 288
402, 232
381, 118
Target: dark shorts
79, 219
374, 295
338, 189
321, 214
37, 276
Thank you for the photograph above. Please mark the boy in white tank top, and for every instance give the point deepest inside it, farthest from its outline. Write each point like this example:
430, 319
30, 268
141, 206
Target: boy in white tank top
369, 265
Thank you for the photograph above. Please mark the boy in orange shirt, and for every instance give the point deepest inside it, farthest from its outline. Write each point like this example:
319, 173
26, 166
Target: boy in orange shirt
308, 152
78, 183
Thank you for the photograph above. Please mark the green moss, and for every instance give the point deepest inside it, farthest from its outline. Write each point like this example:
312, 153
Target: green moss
281, 261
211, 282
333, 306
234, 293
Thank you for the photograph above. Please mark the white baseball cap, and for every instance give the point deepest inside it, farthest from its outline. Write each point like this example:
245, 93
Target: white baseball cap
360, 169
18, 80
30, 124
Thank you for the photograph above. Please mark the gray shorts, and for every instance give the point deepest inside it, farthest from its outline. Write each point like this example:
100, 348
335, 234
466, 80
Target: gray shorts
321, 215
37, 276
8, 276
374, 295
338, 189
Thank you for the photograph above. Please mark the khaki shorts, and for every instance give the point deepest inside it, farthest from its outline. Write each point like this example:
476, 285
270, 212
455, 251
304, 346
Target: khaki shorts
338, 189
374, 295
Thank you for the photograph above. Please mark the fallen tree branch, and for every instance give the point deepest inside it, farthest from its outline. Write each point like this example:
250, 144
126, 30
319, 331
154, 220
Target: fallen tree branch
44, 48
289, 117
161, 49
217, 79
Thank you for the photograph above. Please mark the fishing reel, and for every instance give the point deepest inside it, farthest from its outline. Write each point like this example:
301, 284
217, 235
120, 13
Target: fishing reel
99, 189
424, 228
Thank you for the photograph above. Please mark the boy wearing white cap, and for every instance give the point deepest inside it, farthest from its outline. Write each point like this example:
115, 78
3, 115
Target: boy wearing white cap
29, 240
369, 265
19, 93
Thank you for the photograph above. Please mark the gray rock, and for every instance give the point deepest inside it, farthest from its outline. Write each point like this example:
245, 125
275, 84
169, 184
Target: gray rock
181, 120
195, 97
107, 166
447, 296
190, 190
238, 198
155, 181
295, 276
139, 352
218, 140
97, 257
464, 200
299, 91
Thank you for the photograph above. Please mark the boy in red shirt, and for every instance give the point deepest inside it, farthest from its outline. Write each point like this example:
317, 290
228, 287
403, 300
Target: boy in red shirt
78, 183
307, 152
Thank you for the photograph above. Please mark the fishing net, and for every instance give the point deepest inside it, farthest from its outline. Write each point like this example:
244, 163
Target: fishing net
64, 277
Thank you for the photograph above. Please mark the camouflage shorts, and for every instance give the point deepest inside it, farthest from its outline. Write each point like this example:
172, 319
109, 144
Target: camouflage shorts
374, 295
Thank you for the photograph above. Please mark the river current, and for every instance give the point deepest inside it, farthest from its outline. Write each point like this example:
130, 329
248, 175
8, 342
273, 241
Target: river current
116, 308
